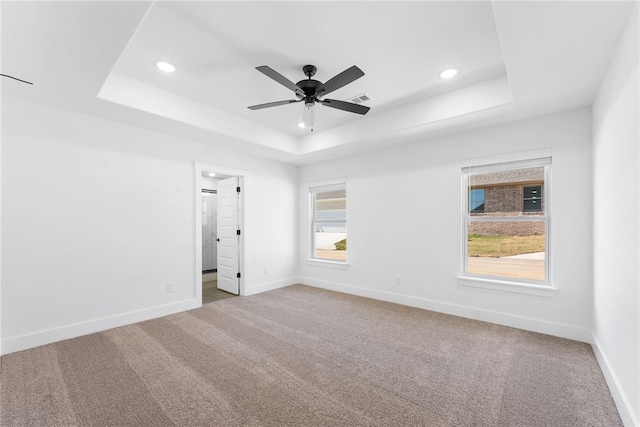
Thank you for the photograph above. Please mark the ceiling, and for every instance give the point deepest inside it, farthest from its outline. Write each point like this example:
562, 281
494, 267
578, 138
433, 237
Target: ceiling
516, 60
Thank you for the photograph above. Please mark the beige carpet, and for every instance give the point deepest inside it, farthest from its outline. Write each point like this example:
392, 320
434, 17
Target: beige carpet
301, 356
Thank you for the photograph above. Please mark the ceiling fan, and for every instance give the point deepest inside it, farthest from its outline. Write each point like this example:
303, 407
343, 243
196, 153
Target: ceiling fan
310, 91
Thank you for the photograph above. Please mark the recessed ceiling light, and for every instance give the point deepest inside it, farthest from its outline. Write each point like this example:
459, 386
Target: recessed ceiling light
211, 174
448, 73
165, 66
301, 125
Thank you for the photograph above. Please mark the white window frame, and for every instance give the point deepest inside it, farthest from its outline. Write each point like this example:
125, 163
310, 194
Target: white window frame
526, 159
313, 260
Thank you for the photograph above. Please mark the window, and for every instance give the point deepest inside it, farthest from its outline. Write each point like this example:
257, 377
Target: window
506, 221
532, 199
329, 222
476, 200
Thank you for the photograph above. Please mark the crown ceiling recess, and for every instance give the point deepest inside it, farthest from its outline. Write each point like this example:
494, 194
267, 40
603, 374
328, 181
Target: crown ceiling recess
215, 47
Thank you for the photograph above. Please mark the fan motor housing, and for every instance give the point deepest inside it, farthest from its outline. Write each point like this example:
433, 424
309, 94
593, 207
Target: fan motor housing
309, 87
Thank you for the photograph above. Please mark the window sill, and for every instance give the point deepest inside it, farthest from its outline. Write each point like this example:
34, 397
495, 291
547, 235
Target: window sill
326, 263
507, 286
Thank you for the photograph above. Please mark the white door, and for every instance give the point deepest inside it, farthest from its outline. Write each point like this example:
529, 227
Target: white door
228, 237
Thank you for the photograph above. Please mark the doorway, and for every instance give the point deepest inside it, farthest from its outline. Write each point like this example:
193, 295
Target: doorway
209, 195
219, 237
209, 226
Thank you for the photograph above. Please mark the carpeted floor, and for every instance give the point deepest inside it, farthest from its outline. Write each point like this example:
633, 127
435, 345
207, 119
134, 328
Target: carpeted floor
301, 356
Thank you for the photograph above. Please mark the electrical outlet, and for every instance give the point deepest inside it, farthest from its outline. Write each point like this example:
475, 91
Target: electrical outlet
266, 271
397, 280
170, 286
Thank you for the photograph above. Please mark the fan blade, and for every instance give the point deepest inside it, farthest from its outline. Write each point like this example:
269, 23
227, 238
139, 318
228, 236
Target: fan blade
346, 106
272, 104
344, 78
270, 72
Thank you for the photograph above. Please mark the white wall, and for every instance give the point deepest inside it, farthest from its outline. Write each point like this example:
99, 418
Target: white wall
403, 210
0, 227
616, 163
99, 216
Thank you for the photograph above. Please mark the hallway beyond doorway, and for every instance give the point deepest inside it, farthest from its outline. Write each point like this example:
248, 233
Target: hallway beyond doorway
210, 291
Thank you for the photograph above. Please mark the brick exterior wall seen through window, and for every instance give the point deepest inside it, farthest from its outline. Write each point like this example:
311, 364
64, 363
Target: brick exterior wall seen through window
507, 200
504, 196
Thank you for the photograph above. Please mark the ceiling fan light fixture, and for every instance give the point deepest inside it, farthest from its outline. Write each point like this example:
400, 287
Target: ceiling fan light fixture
165, 66
309, 115
448, 73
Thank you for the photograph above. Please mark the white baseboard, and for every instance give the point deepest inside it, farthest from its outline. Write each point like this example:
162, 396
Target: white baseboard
519, 322
269, 286
23, 342
620, 398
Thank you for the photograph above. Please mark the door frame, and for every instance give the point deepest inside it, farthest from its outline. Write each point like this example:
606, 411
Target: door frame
243, 178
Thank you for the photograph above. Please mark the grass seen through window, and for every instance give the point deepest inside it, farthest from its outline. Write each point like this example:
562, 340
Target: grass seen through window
501, 246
